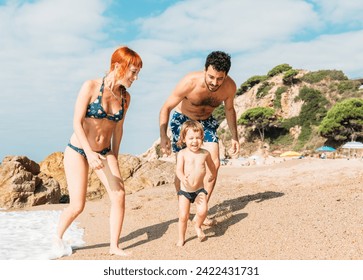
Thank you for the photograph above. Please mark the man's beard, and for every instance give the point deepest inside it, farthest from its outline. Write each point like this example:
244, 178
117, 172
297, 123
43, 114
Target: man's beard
214, 89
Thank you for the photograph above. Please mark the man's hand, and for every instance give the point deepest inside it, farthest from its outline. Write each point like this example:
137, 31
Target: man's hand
234, 150
165, 146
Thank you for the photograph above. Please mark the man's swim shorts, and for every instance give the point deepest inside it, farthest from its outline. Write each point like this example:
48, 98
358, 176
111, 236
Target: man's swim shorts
210, 126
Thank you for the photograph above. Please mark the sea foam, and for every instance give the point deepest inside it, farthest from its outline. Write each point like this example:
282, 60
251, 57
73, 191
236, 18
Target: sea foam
31, 235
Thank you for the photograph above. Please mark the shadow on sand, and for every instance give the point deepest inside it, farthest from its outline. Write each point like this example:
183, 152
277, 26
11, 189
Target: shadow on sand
236, 204
224, 210
152, 232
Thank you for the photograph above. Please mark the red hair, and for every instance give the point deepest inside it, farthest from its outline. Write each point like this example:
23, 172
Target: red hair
125, 57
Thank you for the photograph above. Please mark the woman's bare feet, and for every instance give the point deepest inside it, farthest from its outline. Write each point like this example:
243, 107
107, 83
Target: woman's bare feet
180, 243
119, 252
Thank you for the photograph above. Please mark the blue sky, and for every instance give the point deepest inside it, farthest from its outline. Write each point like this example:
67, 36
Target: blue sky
49, 47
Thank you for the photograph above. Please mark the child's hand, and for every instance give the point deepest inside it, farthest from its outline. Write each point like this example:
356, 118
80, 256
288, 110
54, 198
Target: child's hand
186, 182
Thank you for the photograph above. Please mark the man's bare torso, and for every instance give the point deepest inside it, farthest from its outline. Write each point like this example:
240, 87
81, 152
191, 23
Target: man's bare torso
199, 103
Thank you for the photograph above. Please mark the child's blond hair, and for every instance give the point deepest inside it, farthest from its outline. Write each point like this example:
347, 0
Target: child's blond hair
190, 124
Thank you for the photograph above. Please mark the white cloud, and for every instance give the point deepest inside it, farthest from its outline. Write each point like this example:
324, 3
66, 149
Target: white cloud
341, 52
240, 25
258, 34
52, 27
337, 11
45, 43
47, 48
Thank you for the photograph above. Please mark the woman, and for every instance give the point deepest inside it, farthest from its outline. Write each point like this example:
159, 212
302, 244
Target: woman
99, 115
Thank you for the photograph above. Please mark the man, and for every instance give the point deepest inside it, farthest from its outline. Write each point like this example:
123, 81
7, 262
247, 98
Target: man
195, 97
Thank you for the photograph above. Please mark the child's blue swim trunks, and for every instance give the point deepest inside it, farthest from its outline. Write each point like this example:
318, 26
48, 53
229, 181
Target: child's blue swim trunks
210, 126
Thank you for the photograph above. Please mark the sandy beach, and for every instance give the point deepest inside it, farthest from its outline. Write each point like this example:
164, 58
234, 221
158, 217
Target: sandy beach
298, 209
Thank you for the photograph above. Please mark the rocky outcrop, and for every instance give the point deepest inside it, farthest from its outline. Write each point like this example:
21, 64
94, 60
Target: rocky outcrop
153, 152
22, 184
152, 173
25, 183
53, 166
136, 172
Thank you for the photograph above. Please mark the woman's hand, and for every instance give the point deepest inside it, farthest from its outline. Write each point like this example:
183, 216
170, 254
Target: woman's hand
95, 160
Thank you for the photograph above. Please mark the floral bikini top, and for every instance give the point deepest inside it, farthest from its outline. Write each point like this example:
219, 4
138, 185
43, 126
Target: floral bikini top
95, 109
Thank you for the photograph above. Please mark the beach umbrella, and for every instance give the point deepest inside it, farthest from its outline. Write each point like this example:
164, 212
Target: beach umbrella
353, 145
325, 149
290, 154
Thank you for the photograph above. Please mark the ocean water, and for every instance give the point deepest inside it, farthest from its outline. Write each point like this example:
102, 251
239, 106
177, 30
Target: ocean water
31, 235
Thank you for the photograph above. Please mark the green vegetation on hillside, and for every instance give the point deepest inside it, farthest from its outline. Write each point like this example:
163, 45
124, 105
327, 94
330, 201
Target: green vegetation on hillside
289, 76
259, 118
219, 113
278, 94
344, 120
254, 80
347, 89
263, 89
318, 76
321, 115
312, 112
279, 69
314, 108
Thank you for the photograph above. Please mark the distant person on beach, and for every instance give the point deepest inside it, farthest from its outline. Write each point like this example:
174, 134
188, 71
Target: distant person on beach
191, 170
195, 97
98, 121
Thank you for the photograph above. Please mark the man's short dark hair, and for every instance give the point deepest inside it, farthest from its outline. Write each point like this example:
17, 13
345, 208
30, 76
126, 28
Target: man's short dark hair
219, 60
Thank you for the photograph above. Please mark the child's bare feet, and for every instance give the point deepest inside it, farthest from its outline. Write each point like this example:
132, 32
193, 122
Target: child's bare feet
207, 222
119, 252
200, 233
180, 243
